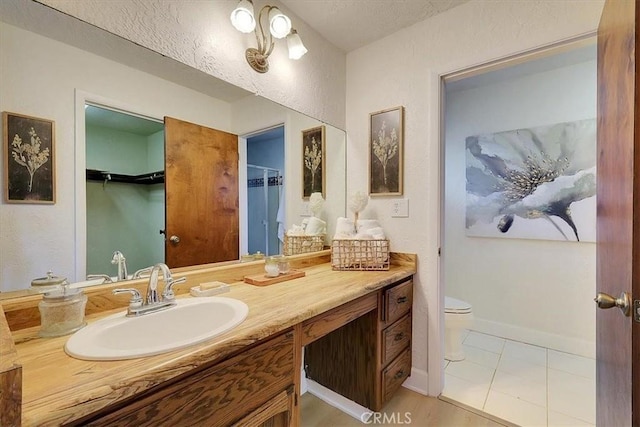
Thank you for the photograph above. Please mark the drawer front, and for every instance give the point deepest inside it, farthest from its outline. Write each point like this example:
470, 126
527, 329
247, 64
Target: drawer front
395, 374
218, 395
395, 338
398, 301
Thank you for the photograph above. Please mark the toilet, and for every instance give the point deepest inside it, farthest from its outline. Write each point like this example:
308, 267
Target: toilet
457, 318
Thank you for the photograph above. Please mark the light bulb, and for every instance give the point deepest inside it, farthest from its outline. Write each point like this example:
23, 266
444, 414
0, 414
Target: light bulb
279, 23
242, 17
294, 43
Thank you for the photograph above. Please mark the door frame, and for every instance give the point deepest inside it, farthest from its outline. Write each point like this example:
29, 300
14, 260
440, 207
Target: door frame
436, 80
80, 190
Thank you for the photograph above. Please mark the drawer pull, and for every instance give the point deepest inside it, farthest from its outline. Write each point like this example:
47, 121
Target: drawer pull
401, 300
399, 374
399, 337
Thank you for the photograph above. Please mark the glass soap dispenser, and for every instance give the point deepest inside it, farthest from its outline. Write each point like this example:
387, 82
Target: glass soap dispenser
62, 312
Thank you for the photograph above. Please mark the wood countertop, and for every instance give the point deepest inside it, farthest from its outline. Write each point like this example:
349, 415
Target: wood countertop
57, 388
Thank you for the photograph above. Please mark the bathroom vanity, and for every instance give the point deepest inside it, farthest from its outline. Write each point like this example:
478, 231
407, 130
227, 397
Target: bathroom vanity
354, 327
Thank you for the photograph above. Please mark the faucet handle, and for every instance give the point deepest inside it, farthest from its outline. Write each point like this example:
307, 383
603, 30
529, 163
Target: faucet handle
104, 277
168, 294
136, 298
142, 272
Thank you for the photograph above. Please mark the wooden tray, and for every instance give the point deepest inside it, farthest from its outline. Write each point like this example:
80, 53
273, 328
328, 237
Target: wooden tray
262, 280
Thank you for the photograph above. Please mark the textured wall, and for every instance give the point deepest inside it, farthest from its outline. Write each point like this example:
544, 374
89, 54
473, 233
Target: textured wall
404, 69
200, 34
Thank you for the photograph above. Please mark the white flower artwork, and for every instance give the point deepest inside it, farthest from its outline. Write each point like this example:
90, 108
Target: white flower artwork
536, 183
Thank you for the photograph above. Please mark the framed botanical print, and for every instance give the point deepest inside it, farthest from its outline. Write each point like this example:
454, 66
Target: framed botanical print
386, 141
313, 162
29, 159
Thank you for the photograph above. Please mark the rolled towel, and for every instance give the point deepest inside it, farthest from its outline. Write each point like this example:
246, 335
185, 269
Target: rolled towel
344, 228
315, 226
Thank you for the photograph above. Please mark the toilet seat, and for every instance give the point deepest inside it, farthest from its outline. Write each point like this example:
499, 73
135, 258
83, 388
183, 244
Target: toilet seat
456, 306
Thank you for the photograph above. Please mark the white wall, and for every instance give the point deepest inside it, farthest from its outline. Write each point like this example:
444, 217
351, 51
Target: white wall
41, 77
405, 69
200, 34
515, 285
124, 216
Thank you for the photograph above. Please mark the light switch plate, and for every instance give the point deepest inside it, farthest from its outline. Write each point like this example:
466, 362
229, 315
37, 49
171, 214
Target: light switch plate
305, 209
400, 208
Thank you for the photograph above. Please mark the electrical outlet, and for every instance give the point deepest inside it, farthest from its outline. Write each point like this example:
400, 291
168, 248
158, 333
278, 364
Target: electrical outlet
400, 208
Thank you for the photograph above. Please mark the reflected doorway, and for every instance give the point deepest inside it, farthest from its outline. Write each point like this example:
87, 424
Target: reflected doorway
265, 191
125, 189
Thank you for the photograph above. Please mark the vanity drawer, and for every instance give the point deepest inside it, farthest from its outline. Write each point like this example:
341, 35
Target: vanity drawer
395, 374
395, 338
397, 301
218, 395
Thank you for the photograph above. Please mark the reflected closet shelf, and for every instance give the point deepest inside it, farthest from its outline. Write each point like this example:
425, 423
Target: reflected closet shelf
145, 178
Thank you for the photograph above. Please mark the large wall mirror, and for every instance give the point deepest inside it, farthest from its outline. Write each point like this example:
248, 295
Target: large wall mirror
56, 67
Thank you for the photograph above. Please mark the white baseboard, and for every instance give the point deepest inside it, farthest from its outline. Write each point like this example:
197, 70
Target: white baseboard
336, 400
418, 381
531, 336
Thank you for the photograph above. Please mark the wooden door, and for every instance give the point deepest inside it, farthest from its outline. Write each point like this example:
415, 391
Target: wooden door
201, 182
618, 234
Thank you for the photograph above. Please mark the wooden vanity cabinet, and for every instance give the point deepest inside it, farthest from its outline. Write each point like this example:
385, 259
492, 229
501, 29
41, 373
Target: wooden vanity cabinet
395, 337
369, 358
253, 388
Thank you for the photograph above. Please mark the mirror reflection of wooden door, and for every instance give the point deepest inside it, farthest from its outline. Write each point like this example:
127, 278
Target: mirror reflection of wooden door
618, 229
201, 187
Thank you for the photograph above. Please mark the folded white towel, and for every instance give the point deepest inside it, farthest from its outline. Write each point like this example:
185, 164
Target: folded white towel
296, 230
376, 232
315, 226
344, 228
363, 236
365, 225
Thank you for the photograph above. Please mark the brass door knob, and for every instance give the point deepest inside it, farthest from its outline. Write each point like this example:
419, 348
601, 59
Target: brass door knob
623, 302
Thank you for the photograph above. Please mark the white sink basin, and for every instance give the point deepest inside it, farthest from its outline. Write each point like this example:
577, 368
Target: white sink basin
192, 321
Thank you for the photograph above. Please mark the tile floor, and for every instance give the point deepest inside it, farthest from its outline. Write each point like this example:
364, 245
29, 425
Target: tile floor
522, 383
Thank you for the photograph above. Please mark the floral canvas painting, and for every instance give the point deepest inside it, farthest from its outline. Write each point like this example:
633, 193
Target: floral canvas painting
29, 159
313, 179
536, 183
385, 152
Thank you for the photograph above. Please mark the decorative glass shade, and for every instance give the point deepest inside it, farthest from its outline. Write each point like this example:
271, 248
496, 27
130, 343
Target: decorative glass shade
242, 17
294, 43
279, 23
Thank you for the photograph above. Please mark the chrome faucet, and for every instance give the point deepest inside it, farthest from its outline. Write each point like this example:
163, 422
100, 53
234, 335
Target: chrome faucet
153, 302
119, 260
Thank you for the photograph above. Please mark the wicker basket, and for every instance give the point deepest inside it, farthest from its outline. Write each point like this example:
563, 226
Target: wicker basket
294, 245
350, 254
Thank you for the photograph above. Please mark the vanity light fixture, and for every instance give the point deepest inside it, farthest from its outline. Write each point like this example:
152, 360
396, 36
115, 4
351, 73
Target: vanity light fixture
243, 20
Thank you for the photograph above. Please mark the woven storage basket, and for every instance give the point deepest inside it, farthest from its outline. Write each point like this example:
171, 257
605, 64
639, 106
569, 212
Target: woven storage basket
294, 245
350, 254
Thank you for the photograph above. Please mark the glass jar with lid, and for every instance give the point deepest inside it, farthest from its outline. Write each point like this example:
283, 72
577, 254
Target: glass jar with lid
271, 267
62, 312
48, 283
